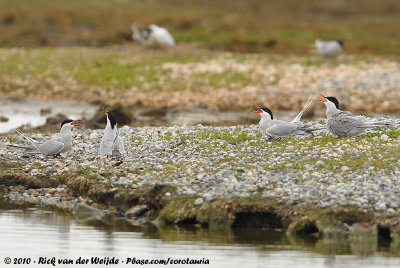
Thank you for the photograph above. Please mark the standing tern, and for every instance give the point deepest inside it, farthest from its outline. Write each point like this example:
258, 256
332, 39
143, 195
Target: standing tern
153, 36
111, 143
328, 49
343, 123
60, 144
280, 129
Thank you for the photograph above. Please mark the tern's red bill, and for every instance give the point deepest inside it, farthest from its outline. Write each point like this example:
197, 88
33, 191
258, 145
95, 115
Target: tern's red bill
257, 112
74, 123
322, 100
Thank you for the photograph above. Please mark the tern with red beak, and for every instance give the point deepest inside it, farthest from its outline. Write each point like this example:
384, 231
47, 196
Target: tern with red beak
275, 128
111, 143
343, 123
62, 143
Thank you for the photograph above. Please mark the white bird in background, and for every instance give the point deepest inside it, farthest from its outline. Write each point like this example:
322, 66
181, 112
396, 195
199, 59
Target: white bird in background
343, 123
153, 36
60, 144
279, 128
111, 143
328, 49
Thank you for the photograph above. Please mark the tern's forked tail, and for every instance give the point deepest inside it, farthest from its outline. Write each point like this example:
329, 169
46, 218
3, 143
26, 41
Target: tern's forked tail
298, 117
25, 136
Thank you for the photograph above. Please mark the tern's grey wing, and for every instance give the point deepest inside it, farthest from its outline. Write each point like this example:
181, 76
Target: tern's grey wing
345, 124
347, 120
283, 130
50, 147
107, 142
119, 145
28, 149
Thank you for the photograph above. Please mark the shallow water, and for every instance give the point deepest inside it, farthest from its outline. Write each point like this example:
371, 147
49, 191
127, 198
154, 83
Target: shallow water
27, 111
34, 233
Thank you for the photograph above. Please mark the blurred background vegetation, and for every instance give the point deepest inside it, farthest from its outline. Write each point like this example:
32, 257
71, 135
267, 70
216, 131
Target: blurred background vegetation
273, 26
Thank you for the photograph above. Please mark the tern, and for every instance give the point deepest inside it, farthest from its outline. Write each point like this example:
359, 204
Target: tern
328, 49
343, 123
62, 143
154, 36
111, 143
280, 129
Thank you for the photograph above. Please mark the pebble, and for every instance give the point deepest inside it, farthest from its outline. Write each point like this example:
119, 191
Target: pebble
345, 168
199, 201
212, 162
390, 212
384, 137
320, 163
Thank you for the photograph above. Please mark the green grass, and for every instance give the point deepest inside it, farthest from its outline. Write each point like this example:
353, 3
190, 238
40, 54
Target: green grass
232, 137
380, 156
90, 67
107, 72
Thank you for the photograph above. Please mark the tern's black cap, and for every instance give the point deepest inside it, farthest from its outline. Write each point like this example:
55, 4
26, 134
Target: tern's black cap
66, 121
112, 119
334, 100
340, 42
268, 111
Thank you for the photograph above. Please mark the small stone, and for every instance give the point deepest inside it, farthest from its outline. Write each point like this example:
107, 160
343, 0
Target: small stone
136, 211
345, 168
60, 190
199, 201
380, 206
83, 211
320, 163
44, 111
3, 119
209, 198
168, 194
384, 137
52, 191
390, 212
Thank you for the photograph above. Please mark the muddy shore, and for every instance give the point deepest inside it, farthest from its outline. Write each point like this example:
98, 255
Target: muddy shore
247, 181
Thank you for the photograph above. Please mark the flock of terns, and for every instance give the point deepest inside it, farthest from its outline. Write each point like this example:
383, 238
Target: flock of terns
340, 123
111, 143
155, 36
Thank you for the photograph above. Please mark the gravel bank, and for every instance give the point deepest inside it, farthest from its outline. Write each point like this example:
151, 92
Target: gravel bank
211, 164
189, 77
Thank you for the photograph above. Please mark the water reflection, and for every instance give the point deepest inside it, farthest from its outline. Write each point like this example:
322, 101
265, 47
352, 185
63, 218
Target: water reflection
28, 111
34, 232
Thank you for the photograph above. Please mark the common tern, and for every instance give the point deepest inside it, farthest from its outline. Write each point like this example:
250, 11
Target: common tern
280, 129
154, 36
111, 143
328, 49
343, 123
60, 144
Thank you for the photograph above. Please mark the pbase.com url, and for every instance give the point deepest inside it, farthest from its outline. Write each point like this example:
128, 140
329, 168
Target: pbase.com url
106, 261
167, 261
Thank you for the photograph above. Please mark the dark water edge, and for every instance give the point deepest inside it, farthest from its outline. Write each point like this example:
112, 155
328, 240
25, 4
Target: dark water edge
19, 223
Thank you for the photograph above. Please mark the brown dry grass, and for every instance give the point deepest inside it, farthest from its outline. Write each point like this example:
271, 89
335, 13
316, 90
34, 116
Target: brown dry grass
284, 26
